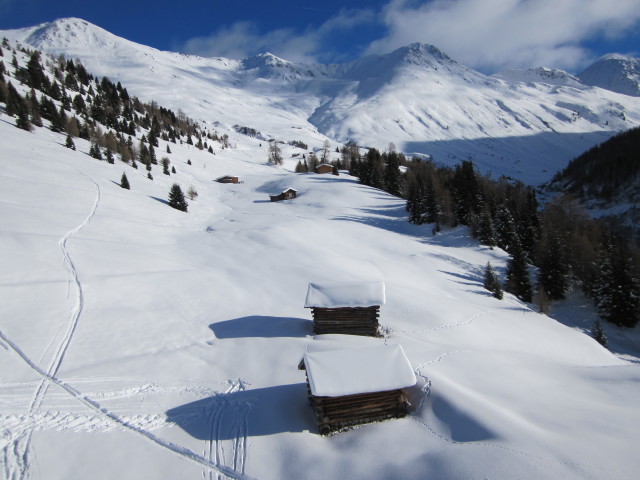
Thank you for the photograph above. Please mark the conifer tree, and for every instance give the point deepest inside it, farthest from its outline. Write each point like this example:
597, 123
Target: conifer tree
485, 232
491, 282
165, 165
94, 151
69, 143
392, 174
124, 181
109, 156
517, 276
176, 198
598, 334
553, 268
505, 228
617, 293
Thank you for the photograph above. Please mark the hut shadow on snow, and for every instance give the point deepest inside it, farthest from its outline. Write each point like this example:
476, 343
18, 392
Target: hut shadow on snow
246, 413
263, 327
460, 425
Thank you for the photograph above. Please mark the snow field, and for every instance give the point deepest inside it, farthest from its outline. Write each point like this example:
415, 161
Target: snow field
184, 358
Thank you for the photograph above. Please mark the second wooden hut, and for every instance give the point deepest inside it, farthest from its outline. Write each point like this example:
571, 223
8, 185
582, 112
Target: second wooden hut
350, 308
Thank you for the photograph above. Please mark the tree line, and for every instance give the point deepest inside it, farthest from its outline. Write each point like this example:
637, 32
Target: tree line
566, 248
75, 102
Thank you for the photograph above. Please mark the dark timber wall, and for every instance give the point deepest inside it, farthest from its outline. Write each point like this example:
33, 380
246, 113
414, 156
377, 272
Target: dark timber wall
335, 413
346, 320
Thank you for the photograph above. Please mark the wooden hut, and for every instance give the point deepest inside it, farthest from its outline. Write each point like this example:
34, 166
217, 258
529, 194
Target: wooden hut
288, 194
324, 168
352, 386
350, 308
228, 179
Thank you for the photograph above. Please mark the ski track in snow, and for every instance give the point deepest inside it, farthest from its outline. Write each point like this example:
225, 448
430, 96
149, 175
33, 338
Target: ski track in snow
22, 445
219, 409
123, 422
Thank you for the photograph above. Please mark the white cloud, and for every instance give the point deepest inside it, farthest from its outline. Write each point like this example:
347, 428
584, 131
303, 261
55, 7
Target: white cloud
243, 39
494, 34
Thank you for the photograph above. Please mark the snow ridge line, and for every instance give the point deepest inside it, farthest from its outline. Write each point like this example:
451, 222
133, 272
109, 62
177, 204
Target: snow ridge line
56, 361
181, 451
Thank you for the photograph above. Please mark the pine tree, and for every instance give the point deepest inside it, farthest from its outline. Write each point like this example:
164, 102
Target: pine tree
392, 174
124, 182
109, 156
176, 198
617, 293
517, 276
505, 228
94, 151
491, 282
165, 165
598, 334
486, 234
69, 143
553, 268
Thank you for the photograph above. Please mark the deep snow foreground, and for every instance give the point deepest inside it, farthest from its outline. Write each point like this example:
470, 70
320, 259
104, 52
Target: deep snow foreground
138, 341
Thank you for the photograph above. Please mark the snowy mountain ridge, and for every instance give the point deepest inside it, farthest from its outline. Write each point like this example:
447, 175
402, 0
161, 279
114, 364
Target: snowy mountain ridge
171, 340
614, 72
416, 97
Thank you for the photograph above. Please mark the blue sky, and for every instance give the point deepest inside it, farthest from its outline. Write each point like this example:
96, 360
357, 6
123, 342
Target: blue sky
488, 35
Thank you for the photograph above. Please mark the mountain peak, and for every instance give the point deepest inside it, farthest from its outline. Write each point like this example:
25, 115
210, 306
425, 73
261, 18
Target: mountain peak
614, 72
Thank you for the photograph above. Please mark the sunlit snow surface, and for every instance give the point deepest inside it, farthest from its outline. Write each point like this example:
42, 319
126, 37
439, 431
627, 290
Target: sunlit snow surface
138, 341
170, 341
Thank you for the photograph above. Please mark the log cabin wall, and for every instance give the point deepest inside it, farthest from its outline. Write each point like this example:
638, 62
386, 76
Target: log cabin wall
346, 320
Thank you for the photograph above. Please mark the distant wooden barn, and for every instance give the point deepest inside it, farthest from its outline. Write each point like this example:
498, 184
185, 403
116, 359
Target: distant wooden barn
350, 308
228, 179
288, 194
353, 386
324, 168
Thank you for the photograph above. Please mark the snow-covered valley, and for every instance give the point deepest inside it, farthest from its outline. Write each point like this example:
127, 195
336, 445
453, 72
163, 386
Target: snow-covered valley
524, 124
138, 340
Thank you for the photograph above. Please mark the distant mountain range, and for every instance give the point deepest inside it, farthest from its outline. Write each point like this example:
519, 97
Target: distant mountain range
527, 124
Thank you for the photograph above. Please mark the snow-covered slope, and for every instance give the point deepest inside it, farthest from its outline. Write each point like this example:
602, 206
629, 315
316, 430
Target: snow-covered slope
416, 97
540, 75
138, 341
616, 73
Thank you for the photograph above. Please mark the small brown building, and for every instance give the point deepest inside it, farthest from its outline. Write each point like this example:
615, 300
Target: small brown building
228, 179
350, 308
324, 168
353, 386
288, 194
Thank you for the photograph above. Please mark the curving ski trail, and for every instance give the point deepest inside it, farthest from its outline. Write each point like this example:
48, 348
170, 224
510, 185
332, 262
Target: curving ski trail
22, 445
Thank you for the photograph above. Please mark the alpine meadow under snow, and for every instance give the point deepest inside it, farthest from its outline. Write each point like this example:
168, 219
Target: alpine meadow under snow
140, 341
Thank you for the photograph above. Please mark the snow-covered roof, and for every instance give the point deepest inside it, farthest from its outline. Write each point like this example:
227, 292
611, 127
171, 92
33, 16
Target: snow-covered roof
349, 371
345, 294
